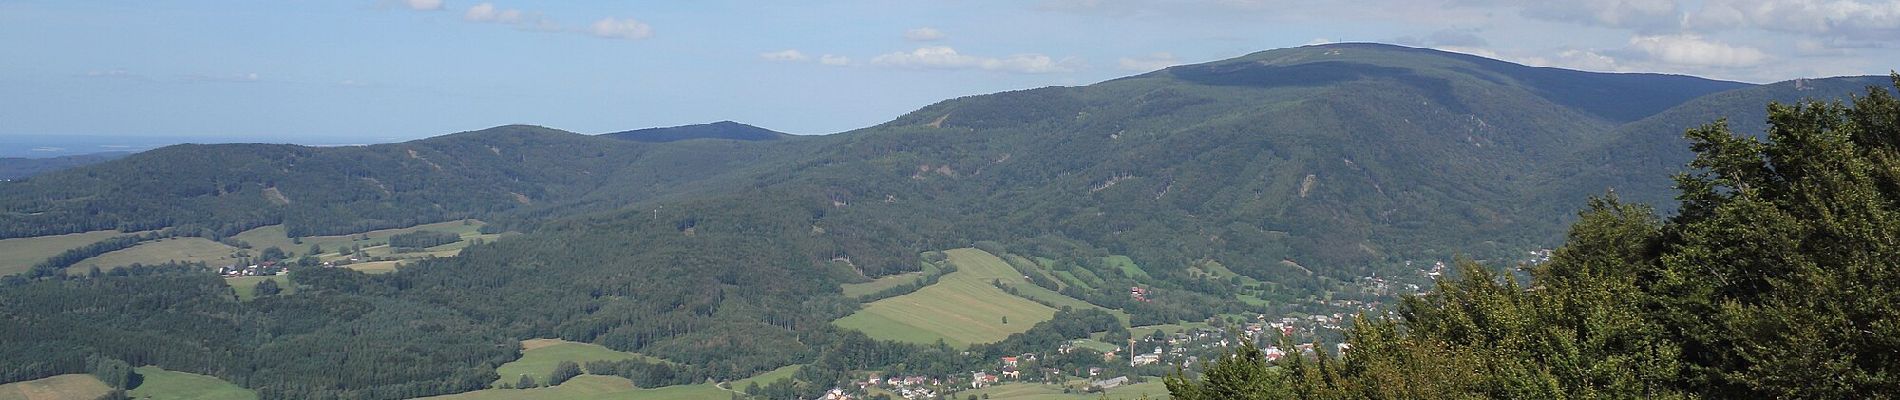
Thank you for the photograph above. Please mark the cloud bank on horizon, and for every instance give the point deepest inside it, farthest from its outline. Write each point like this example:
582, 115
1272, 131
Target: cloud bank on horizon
424, 67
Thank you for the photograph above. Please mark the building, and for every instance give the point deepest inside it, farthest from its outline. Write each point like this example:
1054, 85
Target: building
1143, 359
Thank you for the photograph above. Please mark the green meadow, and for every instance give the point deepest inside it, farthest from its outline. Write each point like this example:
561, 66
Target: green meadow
539, 356
161, 384
767, 378
246, 286
20, 254
180, 249
962, 308
62, 387
855, 290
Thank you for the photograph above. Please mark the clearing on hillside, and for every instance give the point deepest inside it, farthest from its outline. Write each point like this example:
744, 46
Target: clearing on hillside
180, 249
962, 308
591, 387
375, 267
1128, 267
246, 286
274, 235
856, 290
162, 384
768, 377
20, 254
539, 356
62, 387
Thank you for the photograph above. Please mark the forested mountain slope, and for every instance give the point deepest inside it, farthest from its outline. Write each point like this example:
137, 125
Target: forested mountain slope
1336, 155
16, 168
1300, 168
717, 130
1630, 163
335, 190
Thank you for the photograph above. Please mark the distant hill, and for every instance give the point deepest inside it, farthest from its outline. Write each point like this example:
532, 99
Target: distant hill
16, 168
1284, 176
1637, 161
335, 190
718, 130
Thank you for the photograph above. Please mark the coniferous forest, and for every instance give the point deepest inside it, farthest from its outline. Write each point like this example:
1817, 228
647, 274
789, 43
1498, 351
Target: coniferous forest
1778, 278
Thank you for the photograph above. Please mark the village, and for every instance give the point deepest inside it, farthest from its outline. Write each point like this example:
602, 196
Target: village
1142, 359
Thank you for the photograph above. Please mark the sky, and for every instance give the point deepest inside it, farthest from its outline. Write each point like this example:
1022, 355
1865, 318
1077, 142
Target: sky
355, 71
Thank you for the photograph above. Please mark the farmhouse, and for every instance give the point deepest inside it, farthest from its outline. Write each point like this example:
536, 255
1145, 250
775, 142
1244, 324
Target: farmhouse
1143, 359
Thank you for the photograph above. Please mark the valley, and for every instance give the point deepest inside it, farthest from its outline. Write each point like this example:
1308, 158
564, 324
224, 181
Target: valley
1063, 242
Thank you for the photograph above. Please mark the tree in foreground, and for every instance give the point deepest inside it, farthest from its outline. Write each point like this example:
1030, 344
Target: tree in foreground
1779, 278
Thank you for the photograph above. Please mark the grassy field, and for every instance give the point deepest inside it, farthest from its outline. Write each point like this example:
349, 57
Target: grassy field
596, 387
855, 290
246, 286
63, 387
1024, 264
961, 309
1127, 266
1153, 388
375, 267
768, 377
274, 235
1072, 280
539, 356
182, 249
160, 384
20, 254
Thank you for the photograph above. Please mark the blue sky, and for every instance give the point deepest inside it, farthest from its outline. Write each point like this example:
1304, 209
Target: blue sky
350, 71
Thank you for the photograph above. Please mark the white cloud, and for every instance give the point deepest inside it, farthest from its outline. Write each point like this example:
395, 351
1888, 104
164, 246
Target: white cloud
787, 55
1318, 41
1148, 62
1849, 18
1476, 51
115, 73
424, 5
233, 78
1583, 60
617, 28
944, 57
520, 19
486, 12
1696, 51
924, 34
1637, 14
834, 60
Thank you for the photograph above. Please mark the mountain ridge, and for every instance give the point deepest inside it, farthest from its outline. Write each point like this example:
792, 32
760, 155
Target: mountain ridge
728, 130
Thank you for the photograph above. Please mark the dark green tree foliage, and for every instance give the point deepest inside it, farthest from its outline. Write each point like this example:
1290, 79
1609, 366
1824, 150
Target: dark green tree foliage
267, 288
562, 372
422, 239
58, 263
648, 374
272, 253
321, 344
113, 372
1780, 278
